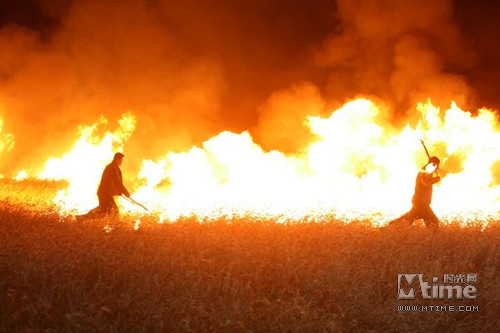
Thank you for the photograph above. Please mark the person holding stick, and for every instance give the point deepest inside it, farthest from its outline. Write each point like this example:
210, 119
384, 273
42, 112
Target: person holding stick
422, 197
111, 185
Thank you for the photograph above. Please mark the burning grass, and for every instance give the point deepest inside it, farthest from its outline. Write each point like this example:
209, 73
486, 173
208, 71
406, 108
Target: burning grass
30, 195
239, 276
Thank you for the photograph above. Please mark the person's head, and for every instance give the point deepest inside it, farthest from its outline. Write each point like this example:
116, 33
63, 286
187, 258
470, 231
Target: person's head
432, 165
118, 158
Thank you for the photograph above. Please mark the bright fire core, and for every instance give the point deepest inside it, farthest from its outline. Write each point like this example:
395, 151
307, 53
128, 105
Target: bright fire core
358, 168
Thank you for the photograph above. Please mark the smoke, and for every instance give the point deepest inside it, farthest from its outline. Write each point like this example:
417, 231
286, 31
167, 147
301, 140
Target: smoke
190, 69
403, 51
283, 118
186, 70
106, 59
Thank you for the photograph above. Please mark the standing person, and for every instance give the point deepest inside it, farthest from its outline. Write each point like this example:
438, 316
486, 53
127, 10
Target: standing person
422, 197
111, 185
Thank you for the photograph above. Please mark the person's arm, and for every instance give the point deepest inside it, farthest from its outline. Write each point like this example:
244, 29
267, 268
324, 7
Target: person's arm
125, 191
118, 182
435, 179
428, 179
122, 187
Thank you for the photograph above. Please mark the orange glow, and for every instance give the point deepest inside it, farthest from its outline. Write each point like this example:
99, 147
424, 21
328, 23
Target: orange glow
6, 140
21, 175
357, 168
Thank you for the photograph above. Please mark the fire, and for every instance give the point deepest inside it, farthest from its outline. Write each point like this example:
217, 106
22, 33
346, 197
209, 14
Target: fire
82, 166
6, 140
358, 168
21, 175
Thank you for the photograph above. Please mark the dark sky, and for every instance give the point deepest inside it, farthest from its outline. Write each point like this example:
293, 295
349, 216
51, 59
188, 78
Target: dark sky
190, 69
481, 27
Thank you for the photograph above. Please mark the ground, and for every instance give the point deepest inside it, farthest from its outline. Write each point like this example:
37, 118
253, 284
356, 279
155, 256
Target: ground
233, 276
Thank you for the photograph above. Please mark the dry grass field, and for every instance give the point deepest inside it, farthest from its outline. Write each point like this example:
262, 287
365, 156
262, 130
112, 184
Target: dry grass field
232, 276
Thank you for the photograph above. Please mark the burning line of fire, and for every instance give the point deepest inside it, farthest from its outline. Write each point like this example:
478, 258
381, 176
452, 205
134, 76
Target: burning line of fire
358, 168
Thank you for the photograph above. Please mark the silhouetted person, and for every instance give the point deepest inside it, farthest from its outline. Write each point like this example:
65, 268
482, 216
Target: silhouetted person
111, 185
422, 197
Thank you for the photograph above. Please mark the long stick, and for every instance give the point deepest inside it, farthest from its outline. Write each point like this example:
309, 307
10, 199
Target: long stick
135, 202
428, 156
426, 151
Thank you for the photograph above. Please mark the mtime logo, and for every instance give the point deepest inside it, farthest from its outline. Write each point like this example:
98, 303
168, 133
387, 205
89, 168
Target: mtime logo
436, 291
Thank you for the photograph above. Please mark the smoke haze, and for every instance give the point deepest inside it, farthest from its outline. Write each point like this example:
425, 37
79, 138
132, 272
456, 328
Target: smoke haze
189, 69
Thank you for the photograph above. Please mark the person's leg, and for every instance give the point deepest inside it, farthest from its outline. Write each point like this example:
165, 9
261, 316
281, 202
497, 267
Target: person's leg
91, 214
113, 210
430, 219
109, 212
106, 205
405, 220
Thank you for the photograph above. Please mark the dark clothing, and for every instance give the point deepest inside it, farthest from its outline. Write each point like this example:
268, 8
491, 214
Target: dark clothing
423, 189
416, 213
107, 206
111, 184
421, 201
111, 181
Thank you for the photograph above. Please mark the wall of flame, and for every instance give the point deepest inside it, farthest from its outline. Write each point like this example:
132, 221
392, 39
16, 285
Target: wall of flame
357, 167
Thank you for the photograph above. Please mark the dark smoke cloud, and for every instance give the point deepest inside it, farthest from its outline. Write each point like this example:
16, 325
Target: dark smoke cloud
480, 27
189, 69
402, 52
399, 50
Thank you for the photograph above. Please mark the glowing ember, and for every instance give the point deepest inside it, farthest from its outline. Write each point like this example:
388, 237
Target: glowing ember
137, 224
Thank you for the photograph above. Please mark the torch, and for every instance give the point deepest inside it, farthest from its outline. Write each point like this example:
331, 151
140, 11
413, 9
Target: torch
428, 156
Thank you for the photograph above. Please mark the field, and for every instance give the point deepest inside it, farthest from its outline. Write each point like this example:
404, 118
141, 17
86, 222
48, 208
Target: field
232, 276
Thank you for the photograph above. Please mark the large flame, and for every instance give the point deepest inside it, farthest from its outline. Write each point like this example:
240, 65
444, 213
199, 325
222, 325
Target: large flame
357, 169
83, 164
360, 167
